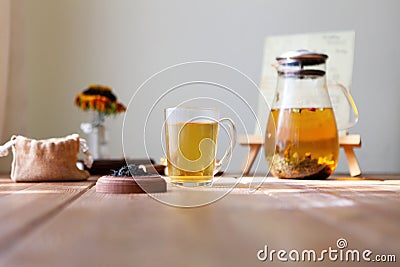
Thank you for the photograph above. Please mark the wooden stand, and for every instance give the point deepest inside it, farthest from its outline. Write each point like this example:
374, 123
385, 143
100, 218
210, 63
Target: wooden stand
347, 142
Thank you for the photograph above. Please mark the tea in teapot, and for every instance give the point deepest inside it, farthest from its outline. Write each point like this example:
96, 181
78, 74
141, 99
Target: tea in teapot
301, 127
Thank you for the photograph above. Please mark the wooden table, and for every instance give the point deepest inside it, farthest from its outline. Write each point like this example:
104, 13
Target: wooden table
69, 224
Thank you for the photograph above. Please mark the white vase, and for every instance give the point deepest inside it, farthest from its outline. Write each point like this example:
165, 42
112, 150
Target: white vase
97, 136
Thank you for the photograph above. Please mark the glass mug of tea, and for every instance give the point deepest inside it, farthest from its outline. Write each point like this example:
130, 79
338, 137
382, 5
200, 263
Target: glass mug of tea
191, 144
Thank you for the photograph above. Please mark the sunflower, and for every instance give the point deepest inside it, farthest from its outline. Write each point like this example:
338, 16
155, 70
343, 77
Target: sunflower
99, 98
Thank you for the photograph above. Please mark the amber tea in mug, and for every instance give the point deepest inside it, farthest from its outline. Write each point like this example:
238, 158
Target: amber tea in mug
183, 142
191, 144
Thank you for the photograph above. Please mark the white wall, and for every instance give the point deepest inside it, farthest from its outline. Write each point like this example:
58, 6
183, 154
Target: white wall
71, 43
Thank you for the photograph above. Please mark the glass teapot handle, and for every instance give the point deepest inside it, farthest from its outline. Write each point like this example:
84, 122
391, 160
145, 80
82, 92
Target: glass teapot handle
346, 112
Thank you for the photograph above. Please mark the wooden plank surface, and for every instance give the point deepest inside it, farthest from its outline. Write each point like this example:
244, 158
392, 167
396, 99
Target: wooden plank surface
24, 206
7, 186
136, 230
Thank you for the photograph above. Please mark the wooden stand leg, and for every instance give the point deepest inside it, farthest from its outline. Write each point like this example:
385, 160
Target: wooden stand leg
354, 168
248, 162
348, 143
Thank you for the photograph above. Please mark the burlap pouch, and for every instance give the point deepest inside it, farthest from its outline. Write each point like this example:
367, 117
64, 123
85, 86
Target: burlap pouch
47, 160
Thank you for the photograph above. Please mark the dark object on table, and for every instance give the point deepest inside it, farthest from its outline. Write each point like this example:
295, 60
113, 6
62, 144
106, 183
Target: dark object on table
131, 179
103, 166
155, 168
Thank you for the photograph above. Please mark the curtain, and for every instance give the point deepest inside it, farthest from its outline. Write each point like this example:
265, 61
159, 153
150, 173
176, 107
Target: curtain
5, 33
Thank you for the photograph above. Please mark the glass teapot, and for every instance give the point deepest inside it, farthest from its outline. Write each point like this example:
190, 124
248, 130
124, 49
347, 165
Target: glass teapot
302, 129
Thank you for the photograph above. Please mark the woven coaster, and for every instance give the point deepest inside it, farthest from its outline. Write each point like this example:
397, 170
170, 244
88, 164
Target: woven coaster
126, 185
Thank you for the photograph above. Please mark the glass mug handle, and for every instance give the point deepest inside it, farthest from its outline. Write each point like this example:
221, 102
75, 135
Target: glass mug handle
228, 153
353, 113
